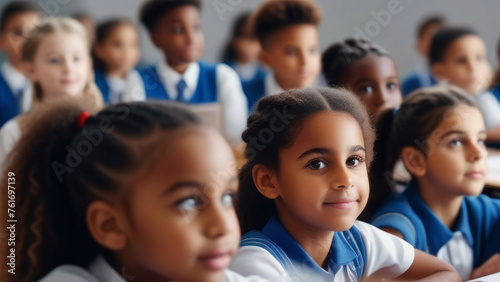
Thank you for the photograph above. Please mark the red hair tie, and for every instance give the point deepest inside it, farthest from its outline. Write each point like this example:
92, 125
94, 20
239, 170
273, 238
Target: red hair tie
82, 119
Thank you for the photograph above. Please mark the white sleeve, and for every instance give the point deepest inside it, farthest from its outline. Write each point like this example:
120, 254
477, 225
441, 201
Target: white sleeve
9, 135
386, 254
490, 107
252, 260
233, 101
66, 273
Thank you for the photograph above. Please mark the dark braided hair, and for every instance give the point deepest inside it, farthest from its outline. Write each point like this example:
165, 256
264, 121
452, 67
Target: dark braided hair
337, 58
276, 120
420, 113
61, 168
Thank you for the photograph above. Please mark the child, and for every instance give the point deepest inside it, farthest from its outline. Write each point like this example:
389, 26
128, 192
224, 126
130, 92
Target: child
242, 53
439, 134
126, 194
16, 20
366, 69
302, 188
116, 53
458, 55
57, 62
288, 34
495, 84
174, 28
422, 75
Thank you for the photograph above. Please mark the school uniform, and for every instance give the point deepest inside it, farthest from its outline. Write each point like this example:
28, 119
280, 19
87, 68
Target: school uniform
100, 271
472, 241
247, 72
116, 89
15, 93
419, 78
200, 83
260, 87
354, 254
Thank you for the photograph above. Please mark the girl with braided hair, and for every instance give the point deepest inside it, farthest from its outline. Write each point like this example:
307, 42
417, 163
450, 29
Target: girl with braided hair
366, 69
303, 186
140, 191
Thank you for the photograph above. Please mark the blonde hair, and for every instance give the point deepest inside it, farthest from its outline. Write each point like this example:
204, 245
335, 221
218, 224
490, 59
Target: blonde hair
42, 31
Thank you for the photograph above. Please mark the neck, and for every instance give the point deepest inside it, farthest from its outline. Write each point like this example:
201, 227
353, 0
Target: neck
17, 65
446, 206
179, 67
127, 266
118, 73
316, 242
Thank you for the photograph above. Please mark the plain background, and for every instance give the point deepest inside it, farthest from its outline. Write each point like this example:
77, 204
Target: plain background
341, 19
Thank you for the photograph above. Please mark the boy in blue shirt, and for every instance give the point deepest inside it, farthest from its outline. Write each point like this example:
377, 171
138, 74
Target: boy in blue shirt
174, 28
16, 20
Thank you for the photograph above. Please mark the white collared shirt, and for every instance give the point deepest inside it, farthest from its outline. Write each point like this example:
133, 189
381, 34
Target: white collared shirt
100, 270
272, 86
230, 94
17, 82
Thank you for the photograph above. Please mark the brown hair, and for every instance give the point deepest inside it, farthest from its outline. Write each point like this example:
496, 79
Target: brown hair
38, 34
253, 209
274, 15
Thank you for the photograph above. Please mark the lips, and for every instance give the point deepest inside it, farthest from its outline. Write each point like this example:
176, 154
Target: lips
476, 174
342, 204
216, 260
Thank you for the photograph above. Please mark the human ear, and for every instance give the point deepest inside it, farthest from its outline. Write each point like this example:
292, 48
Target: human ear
156, 38
106, 225
29, 71
264, 58
414, 161
265, 181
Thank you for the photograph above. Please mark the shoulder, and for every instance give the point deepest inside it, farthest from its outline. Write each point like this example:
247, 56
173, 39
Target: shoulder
71, 273
258, 255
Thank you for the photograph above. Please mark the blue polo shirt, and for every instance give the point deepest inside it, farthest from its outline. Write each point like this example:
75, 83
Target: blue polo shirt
478, 222
347, 257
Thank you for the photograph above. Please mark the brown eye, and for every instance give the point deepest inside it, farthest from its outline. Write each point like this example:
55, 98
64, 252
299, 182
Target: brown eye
317, 165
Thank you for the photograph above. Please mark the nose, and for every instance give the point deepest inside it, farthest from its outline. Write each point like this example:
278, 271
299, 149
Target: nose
220, 221
341, 178
476, 152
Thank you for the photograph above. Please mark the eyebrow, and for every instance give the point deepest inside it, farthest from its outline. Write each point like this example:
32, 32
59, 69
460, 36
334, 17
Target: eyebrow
190, 185
451, 132
326, 151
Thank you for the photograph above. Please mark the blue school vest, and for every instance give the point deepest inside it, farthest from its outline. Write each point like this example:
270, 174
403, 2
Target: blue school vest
348, 249
9, 105
478, 220
102, 84
254, 90
206, 89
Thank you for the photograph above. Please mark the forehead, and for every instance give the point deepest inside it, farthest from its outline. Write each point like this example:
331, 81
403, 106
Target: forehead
23, 18
193, 152
334, 130
298, 34
463, 118
61, 42
372, 65
468, 43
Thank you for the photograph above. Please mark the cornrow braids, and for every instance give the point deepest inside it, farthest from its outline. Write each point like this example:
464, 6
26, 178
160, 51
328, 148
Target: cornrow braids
337, 58
61, 168
276, 120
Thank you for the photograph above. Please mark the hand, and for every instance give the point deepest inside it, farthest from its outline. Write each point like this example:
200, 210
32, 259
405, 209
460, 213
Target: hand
492, 265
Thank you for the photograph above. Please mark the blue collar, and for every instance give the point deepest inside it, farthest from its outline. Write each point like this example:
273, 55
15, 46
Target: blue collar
341, 253
438, 234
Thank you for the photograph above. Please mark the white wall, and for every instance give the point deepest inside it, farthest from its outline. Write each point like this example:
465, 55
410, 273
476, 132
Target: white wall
341, 18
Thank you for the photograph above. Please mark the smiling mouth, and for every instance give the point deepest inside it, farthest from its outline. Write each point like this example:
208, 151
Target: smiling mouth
342, 205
